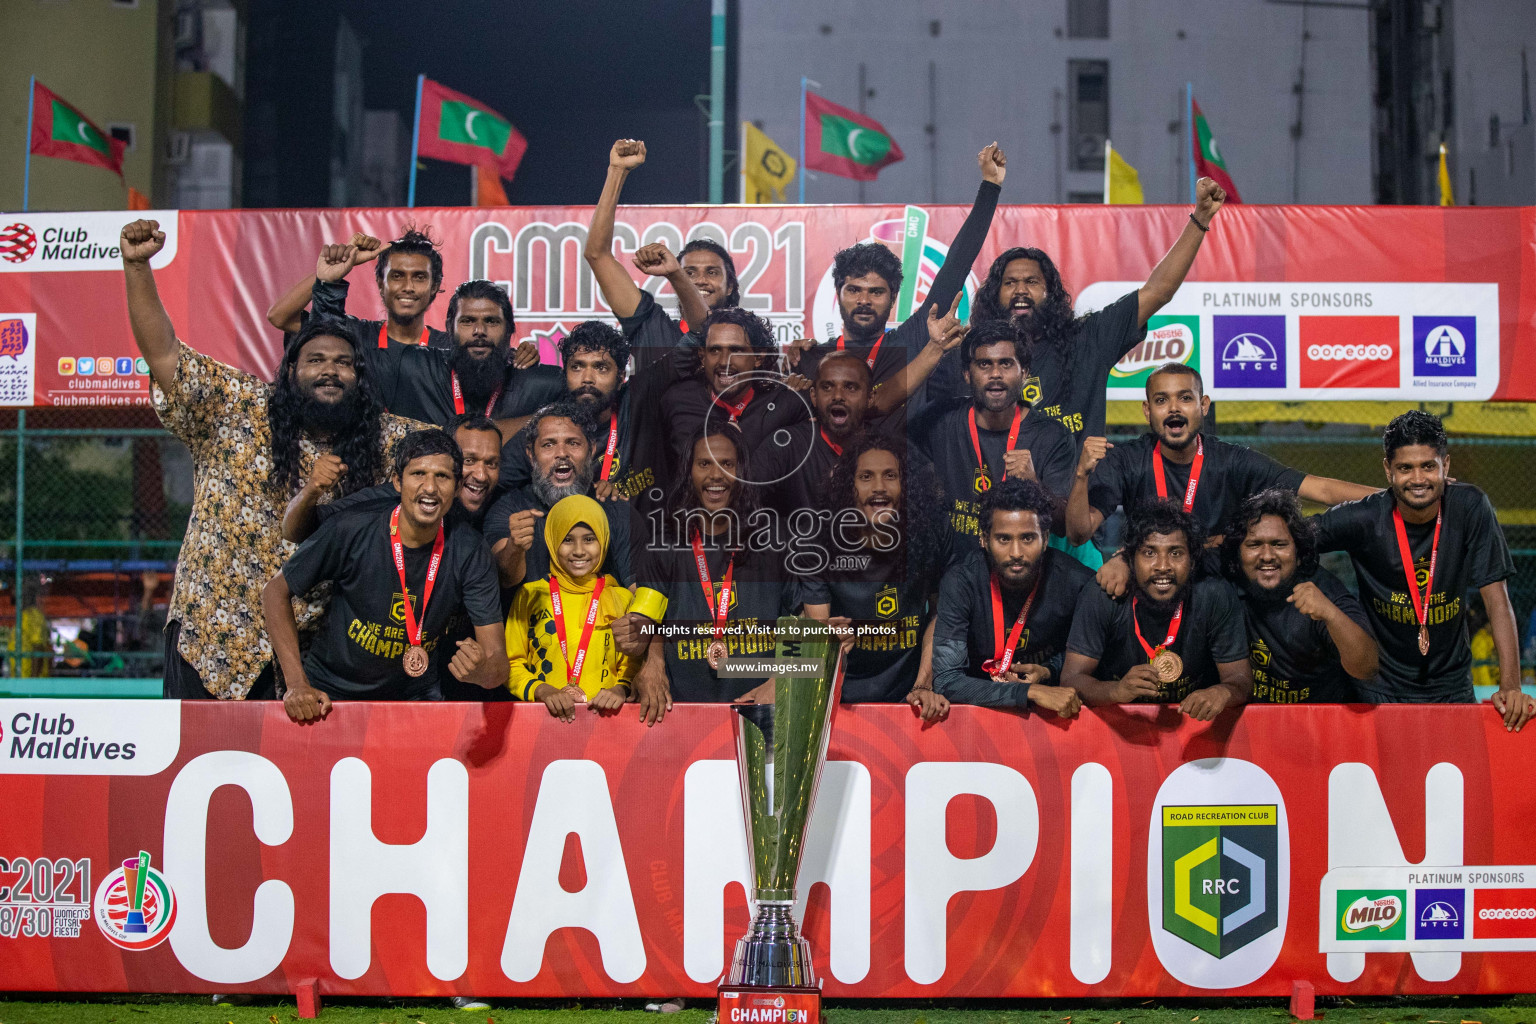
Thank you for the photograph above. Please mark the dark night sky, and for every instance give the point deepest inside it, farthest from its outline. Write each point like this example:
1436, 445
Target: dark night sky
572, 75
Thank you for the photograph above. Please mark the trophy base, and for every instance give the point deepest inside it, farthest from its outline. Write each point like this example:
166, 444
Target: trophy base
782, 1004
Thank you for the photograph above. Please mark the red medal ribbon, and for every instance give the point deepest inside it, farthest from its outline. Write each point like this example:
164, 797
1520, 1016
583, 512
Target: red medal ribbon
384, 337
1420, 601
1194, 472
734, 408
837, 448
1003, 657
573, 668
720, 609
873, 353
458, 396
1013, 437
613, 443
1173, 631
412, 627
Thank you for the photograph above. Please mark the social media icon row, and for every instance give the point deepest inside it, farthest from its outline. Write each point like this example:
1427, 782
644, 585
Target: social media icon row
103, 366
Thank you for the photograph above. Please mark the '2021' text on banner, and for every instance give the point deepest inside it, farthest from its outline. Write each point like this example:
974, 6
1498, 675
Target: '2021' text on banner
432, 849
1284, 303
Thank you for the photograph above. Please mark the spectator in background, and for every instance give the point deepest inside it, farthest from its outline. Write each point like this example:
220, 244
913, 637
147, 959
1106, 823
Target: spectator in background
36, 632
1485, 652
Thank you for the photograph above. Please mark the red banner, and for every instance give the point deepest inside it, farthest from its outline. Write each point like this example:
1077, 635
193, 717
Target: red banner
1450, 293
414, 849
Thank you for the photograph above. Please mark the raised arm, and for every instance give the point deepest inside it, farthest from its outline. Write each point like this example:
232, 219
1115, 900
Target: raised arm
1357, 648
152, 328
299, 520
944, 334
1083, 519
1169, 273
335, 263
950, 279
619, 289
656, 260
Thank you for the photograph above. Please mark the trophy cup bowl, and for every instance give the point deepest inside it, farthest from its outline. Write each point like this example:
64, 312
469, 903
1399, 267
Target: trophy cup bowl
780, 750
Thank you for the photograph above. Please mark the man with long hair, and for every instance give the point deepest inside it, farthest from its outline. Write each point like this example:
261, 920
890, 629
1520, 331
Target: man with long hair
1177, 638
1070, 357
1309, 640
252, 446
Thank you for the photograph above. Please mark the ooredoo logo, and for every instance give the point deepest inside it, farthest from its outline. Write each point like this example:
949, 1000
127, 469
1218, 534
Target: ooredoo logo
1503, 913
135, 906
1445, 346
1349, 352
17, 243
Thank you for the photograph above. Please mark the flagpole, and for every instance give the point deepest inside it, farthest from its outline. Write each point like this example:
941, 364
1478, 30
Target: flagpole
410, 193
717, 102
26, 177
1194, 139
1106, 170
803, 80
741, 159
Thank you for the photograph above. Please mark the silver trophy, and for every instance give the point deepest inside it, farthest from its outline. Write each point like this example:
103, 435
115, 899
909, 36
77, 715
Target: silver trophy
780, 748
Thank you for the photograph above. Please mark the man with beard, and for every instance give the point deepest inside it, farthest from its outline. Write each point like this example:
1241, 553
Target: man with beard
731, 386
1070, 359
1308, 637
562, 456
868, 279
1417, 548
1210, 478
977, 444
398, 578
703, 275
1176, 638
1004, 617
251, 444
479, 441
476, 375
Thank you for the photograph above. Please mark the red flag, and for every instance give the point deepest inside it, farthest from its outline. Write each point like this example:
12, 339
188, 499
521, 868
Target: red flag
59, 130
462, 130
488, 190
1208, 159
844, 142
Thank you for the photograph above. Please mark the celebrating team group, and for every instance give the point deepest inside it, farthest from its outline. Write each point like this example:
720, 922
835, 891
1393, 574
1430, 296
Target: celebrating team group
407, 513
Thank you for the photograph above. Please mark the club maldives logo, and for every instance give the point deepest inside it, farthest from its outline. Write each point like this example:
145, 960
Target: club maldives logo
1445, 346
1170, 339
1250, 351
921, 257
1372, 914
1441, 913
1220, 874
17, 243
135, 905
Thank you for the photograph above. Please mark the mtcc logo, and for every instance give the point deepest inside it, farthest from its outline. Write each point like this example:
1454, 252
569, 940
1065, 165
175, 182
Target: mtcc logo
1220, 874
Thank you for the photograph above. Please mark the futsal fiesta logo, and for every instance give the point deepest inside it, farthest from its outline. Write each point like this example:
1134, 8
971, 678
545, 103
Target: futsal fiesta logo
135, 906
1221, 866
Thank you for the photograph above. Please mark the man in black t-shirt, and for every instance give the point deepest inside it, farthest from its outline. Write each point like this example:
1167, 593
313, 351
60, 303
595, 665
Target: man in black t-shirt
702, 275
868, 278
398, 578
735, 385
977, 443
794, 465
1308, 637
1072, 357
563, 459
1016, 589
1209, 478
1176, 637
1446, 535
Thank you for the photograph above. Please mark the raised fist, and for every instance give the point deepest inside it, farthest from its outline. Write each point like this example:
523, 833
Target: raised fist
626, 154
327, 469
520, 527
1019, 464
141, 240
1094, 450
335, 262
993, 164
656, 260
1209, 197
366, 248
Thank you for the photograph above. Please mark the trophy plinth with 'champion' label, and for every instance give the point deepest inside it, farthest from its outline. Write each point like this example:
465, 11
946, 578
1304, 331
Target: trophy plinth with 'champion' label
780, 748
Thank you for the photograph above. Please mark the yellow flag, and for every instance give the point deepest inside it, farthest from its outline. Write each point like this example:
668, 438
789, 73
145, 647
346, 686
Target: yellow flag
1121, 182
766, 169
1446, 199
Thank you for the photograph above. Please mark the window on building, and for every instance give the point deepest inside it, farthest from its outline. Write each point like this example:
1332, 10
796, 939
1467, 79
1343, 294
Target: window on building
1088, 111
122, 132
1085, 197
1087, 19
125, 3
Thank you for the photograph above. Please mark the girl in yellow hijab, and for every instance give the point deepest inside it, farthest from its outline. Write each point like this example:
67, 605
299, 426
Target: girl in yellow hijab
559, 633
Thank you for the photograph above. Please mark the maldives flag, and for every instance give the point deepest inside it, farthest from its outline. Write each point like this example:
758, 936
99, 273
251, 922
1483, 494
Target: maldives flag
1208, 161
59, 130
462, 130
844, 142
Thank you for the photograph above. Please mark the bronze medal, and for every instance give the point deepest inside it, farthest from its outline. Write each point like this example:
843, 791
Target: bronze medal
1423, 640
1167, 666
575, 692
415, 661
717, 652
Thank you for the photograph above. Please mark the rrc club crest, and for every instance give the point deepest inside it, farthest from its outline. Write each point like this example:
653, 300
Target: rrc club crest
1220, 874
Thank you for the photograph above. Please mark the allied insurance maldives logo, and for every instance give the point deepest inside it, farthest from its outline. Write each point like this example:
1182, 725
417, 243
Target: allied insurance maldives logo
135, 905
1221, 867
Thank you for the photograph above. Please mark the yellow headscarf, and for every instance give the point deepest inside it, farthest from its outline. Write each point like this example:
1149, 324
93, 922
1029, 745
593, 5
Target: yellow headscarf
577, 510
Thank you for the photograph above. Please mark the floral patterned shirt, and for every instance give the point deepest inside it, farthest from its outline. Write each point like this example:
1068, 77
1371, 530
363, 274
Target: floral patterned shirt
234, 541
